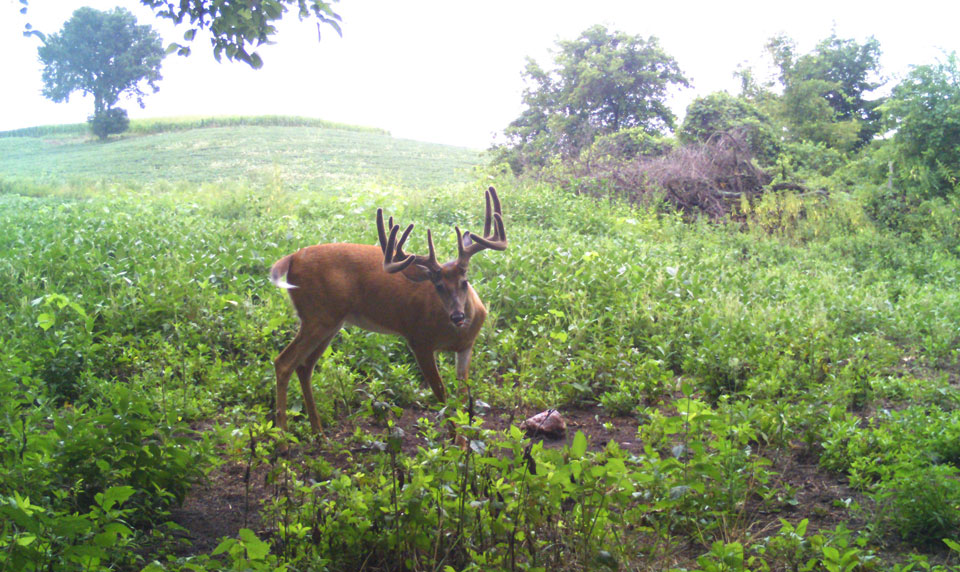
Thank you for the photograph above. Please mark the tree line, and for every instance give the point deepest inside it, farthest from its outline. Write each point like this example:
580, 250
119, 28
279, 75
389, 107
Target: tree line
822, 120
606, 93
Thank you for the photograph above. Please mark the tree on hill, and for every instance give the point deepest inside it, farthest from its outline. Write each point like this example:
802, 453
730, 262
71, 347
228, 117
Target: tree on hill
106, 55
236, 27
601, 82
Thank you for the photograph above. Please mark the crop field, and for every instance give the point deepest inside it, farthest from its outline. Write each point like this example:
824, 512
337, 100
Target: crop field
780, 392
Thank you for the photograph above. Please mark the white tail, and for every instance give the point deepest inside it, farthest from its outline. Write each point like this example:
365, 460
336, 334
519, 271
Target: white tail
278, 273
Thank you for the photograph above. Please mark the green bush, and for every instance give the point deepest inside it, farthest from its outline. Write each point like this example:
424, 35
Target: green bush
109, 122
628, 144
924, 109
719, 113
921, 503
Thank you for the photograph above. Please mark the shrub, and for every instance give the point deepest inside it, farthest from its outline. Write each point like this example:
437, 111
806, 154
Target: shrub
922, 504
629, 143
719, 113
109, 122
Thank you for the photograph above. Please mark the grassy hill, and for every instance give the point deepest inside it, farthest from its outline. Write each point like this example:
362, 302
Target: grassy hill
258, 151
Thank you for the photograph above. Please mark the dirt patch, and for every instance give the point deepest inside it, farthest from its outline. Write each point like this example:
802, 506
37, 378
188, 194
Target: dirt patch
230, 498
227, 501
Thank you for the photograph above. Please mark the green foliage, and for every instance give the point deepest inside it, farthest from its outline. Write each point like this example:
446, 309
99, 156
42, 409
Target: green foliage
133, 315
908, 462
237, 27
166, 124
601, 82
720, 112
103, 54
808, 116
109, 122
628, 144
922, 503
925, 111
825, 92
38, 537
68, 469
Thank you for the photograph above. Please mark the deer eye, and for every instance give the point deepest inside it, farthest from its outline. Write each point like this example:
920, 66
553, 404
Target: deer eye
440, 288
463, 285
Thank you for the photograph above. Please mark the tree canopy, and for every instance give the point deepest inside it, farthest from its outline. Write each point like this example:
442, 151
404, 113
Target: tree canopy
103, 54
925, 111
236, 27
826, 92
600, 83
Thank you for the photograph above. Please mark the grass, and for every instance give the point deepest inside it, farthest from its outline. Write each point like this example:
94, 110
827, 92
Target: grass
136, 312
271, 150
165, 124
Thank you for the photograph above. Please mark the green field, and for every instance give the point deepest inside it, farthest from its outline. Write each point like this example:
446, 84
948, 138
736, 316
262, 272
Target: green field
315, 157
766, 394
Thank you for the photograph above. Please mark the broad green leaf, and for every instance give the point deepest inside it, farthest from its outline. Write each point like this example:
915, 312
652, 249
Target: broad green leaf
114, 495
256, 548
579, 445
46, 321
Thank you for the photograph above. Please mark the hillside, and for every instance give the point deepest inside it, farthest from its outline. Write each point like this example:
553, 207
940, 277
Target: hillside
253, 152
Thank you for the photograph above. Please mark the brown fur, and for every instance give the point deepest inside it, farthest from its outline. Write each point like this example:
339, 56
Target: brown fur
337, 284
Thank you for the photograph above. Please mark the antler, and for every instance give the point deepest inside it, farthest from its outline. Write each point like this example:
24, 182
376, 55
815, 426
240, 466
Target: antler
469, 244
394, 258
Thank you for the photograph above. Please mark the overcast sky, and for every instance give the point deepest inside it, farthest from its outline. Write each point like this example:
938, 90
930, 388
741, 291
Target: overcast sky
450, 71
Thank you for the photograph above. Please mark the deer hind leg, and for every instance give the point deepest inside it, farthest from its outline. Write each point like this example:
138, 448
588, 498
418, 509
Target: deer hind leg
301, 356
304, 373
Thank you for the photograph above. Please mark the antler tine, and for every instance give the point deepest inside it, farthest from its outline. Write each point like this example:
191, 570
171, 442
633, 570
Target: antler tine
496, 242
486, 218
381, 233
394, 258
469, 243
403, 239
390, 264
433, 252
496, 200
430, 261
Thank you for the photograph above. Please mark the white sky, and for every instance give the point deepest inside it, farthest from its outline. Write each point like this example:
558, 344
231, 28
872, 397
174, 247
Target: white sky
450, 71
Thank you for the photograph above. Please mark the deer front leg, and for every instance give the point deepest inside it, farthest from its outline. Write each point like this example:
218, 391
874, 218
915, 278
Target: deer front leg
428, 367
463, 369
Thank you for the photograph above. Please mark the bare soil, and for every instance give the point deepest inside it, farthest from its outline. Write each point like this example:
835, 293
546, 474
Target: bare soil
231, 497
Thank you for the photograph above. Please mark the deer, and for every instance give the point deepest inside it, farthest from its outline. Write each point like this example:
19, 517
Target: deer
384, 289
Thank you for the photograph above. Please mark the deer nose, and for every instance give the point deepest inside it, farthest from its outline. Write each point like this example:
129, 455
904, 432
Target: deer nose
457, 318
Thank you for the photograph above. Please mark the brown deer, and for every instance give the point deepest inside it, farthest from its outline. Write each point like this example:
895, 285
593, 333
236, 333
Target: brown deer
384, 290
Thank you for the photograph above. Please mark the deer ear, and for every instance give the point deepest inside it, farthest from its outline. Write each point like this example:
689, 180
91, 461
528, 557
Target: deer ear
416, 273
